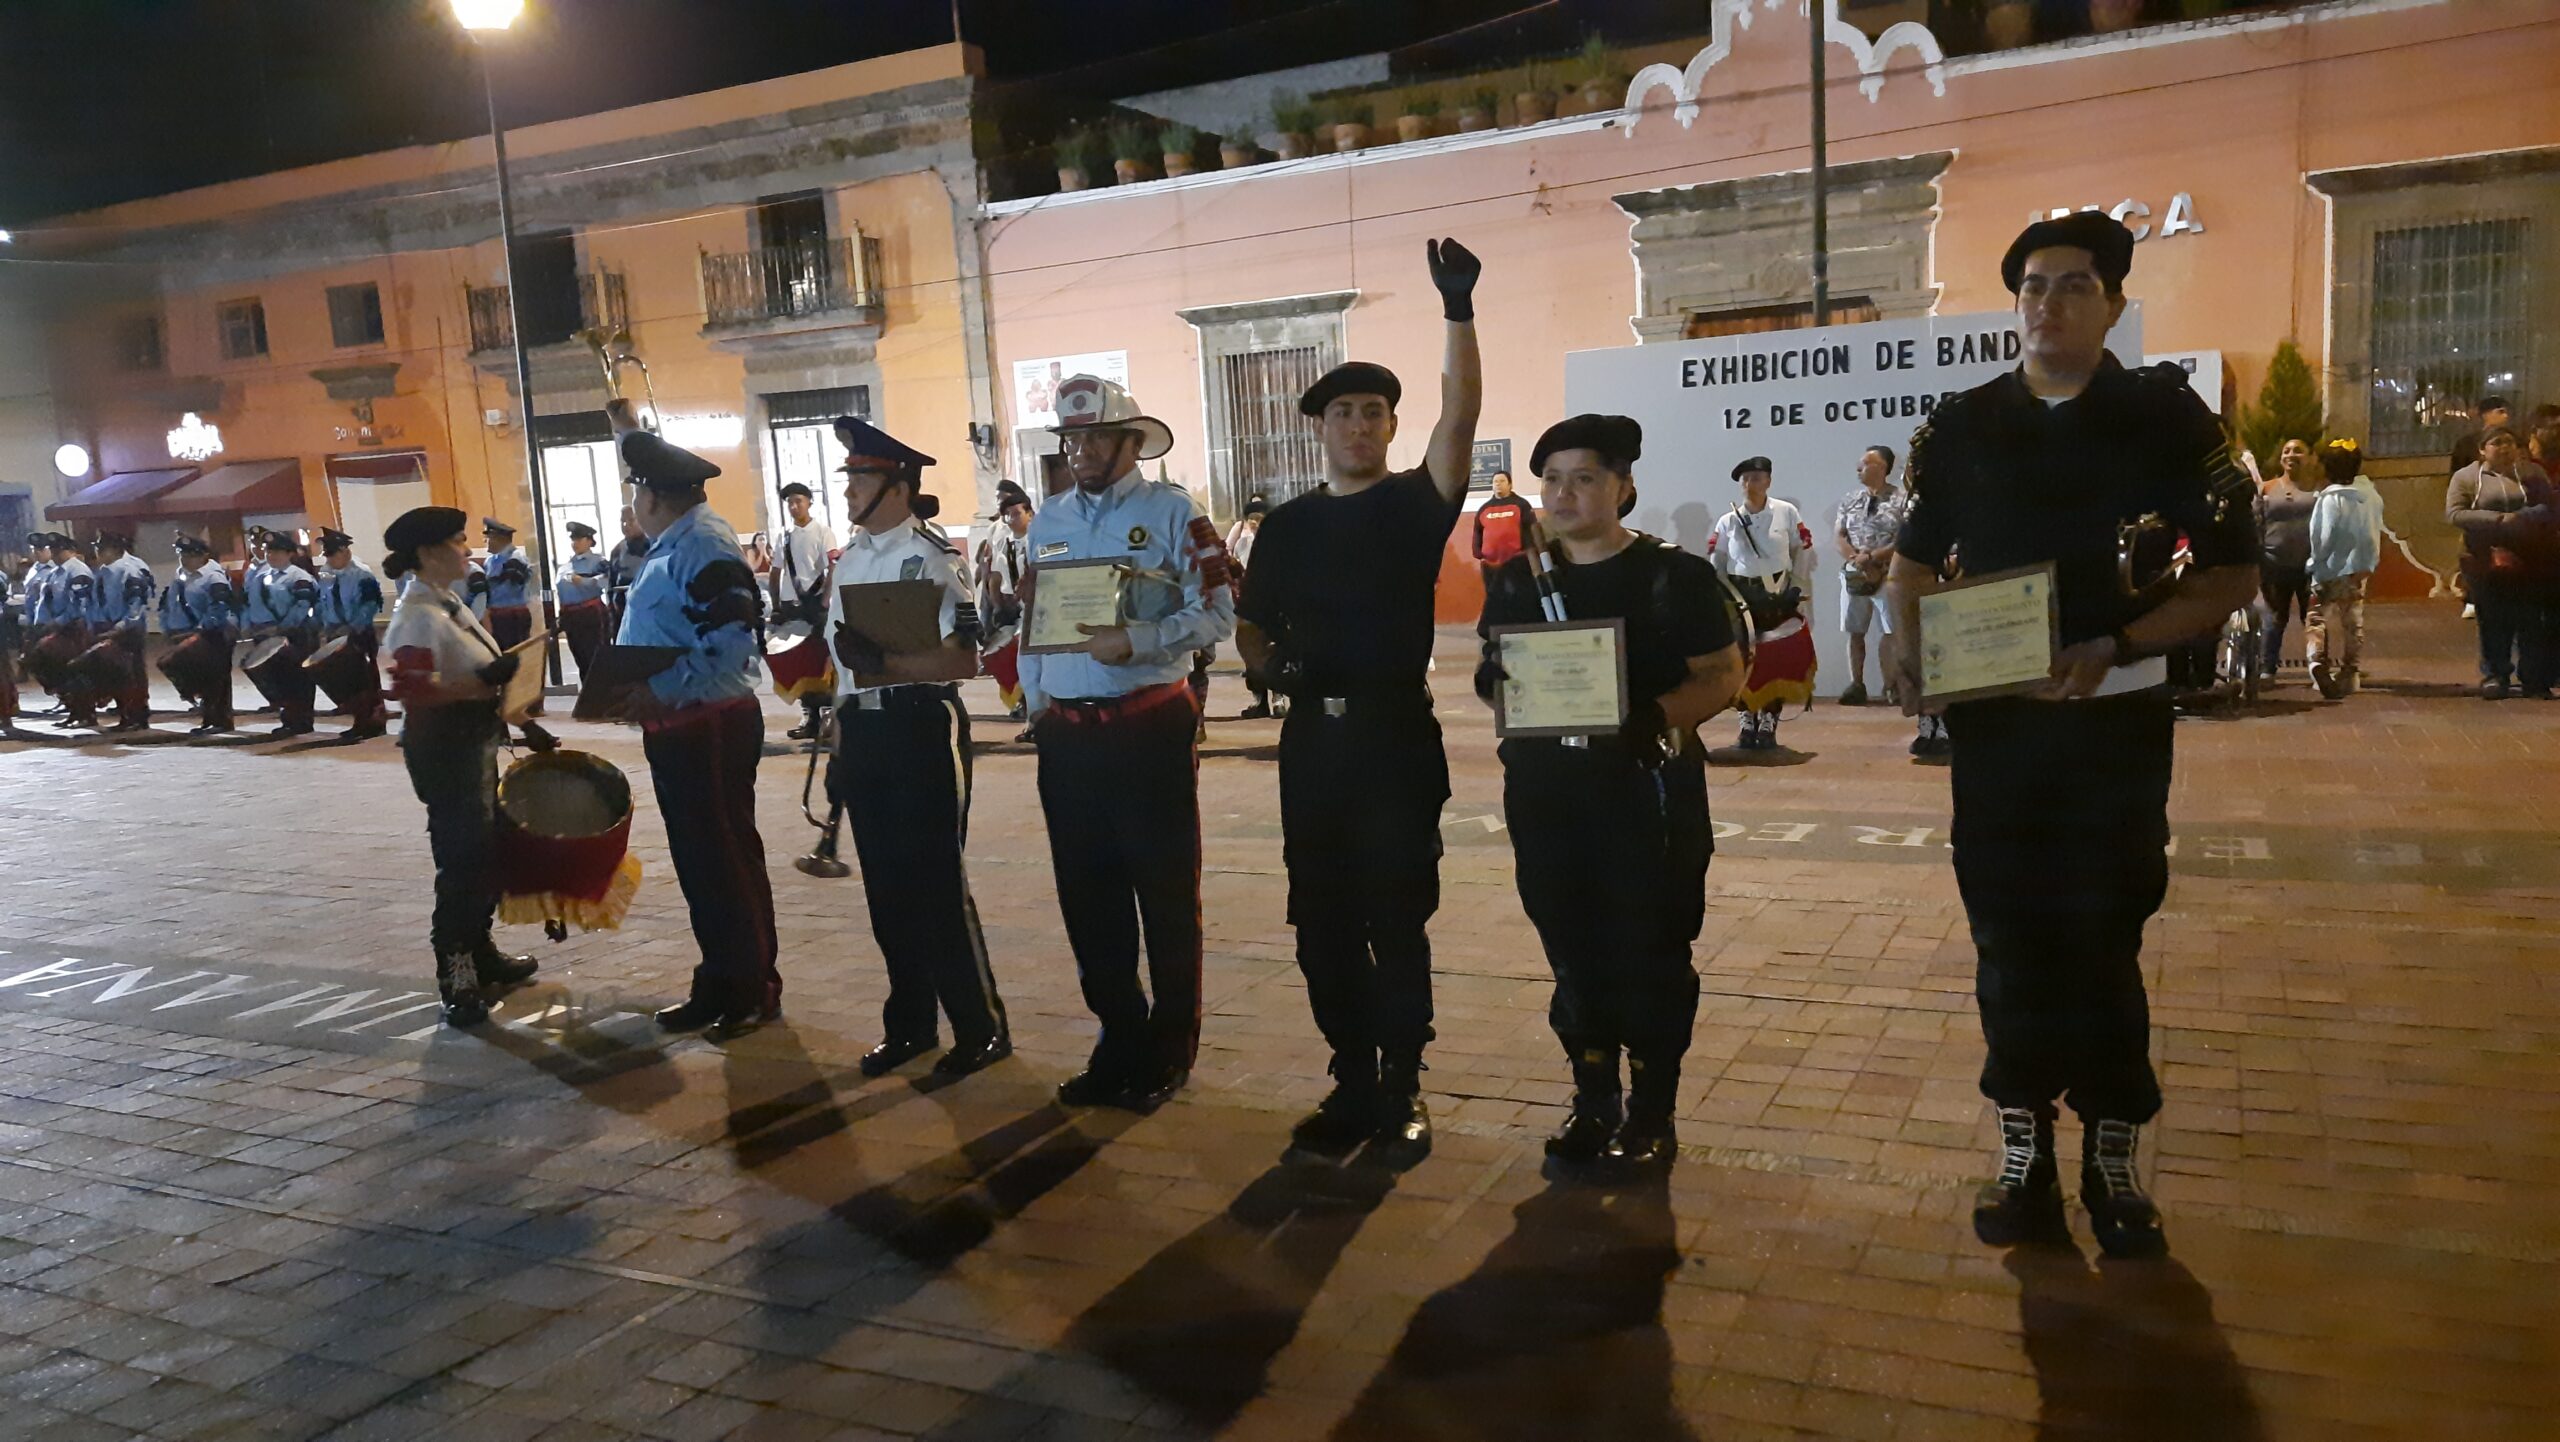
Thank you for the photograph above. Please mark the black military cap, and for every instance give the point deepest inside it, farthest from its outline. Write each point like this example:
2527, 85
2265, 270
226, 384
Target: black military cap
115, 540
492, 526
1351, 378
1008, 495
38, 540
283, 541
795, 489
1756, 463
662, 467
333, 539
864, 441
580, 531
191, 546
2109, 244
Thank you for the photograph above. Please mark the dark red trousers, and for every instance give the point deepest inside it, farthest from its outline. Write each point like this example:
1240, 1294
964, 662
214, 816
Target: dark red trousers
702, 763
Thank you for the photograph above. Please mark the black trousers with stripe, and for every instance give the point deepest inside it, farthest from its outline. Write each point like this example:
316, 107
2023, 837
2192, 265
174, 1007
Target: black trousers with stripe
902, 774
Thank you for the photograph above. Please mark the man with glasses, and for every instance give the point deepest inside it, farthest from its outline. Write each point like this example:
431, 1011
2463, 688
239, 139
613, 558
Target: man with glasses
2061, 796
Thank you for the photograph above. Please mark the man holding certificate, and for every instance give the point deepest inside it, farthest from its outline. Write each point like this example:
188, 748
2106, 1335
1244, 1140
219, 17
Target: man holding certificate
2047, 481
1339, 620
901, 768
1127, 580
1604, 779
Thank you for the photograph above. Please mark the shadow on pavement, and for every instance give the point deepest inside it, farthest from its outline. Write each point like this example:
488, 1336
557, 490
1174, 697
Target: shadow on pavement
2127, 1350
1557, 1334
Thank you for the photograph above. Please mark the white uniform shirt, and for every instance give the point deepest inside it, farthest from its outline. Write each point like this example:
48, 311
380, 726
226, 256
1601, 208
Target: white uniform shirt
1772, 544
800, 564
909, 552
434, 637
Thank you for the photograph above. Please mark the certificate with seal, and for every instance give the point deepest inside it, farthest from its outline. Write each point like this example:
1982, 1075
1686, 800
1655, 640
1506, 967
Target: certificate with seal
1561, 678
1068, 594
1989, 635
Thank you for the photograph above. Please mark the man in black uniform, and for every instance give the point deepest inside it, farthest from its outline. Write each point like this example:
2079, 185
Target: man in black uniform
2061, 796
1339, 620
1610, 836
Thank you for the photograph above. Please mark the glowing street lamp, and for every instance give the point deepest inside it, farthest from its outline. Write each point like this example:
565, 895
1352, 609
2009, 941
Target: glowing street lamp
484, 19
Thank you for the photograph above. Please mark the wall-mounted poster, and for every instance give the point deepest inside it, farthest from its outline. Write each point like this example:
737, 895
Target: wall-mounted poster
1035, 382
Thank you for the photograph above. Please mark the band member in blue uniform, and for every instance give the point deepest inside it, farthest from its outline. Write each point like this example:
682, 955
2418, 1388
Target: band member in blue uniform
350, 601
1611, 836
283, 600
1338, 618
63, 614
703, 732
120, 618
902, 770
199, 602
448, 672
1117, 728
622, 566
585, 620
2060, 823
510, 575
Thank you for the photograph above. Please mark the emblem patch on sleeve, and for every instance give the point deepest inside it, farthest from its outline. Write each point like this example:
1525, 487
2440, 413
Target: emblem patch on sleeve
1137, 535
911, 569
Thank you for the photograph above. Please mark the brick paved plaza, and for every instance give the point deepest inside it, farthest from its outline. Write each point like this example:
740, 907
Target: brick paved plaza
249, 1189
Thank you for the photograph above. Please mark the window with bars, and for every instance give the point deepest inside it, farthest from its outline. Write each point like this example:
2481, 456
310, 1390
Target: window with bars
2449, 324
355, 314
1271, 450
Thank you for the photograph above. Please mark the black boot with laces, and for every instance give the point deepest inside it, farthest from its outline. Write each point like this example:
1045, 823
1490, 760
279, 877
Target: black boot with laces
1348, 1115
2024, 1202
2127, 1223
1403, 1129
1597, 1107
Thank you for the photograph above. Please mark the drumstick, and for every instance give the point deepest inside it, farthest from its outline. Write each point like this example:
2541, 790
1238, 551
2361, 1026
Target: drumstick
1550, 599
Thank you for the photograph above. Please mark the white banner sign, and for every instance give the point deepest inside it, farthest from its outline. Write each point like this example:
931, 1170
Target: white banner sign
1035, 382
1812, 401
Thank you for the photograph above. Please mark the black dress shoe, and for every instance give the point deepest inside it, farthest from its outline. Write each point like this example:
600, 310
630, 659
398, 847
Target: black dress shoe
974, 1056
1585, 1133
1347, 1117
1095, 1086
1404, 1124
1153, 1089
803, 732
690, 1016
892, 1054
498, 968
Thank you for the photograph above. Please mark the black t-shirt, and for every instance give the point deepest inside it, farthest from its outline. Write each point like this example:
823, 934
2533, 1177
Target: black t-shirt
1346, 582
1674, 606
2007, 481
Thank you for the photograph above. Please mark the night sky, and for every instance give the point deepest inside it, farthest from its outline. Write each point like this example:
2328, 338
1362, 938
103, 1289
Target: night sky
106, 100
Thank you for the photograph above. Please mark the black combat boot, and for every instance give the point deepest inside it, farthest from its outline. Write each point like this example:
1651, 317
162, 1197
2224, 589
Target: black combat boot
1348, 1115
2126, 1222
1404, 1123
1648, 1139
1597, 1106
499, 969
458, 985
2024, 1202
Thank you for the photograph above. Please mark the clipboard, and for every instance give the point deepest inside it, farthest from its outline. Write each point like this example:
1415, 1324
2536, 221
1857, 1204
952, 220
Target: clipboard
609, 679
523, 691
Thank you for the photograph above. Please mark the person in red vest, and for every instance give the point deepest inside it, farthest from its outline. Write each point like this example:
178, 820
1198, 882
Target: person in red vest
1502, 526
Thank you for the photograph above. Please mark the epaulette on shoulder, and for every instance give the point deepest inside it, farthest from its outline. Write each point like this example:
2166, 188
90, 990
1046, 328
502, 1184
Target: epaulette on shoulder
935, 539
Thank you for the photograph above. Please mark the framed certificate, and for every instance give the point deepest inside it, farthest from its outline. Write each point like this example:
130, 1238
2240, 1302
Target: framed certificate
1989, 635
1563, 678
1068, 594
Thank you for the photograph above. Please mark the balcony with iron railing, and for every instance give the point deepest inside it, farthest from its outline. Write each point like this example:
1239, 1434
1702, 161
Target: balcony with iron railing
792, 289
550, 317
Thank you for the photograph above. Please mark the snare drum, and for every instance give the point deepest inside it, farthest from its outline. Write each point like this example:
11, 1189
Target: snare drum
197, 667
340, 668
564, 842
106, 668
801, 666
50, 659
274, 667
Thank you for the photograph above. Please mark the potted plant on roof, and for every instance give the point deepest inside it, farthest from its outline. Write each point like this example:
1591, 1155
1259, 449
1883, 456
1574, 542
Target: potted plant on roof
1351, 127
1293, 122
1536, 101
1479, 110
1179, 142
1603, 86
2108, 16
2008, 24
1421, 116
1132, 146
1074, 149
1235, 152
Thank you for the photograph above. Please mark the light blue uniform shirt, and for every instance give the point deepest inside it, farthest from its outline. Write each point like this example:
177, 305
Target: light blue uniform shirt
272, 602
197, 600
583, 579
350, 598
115, 602
1171, 615
503, 592
33, 583
662, 611
66, 593
2346, 534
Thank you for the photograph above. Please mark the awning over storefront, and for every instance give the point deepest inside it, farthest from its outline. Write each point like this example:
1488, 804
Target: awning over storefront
241, 488
126, 493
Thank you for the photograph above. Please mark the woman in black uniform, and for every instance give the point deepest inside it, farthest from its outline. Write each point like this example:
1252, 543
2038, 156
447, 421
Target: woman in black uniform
1610, 838
447, 672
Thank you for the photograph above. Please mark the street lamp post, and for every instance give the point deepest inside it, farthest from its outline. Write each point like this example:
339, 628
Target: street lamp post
484, 18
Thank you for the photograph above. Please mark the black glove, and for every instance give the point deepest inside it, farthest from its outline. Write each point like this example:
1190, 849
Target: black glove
500, 671
1489, 675
1641, 733
536, 739
1454, 269
784, 613
859, 653
1283, 674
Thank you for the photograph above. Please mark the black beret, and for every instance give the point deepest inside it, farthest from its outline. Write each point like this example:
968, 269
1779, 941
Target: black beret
1351, 378
2109, 244
1755, 463
662, 467
795, 489
1618, 439
425, 526
865, 441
